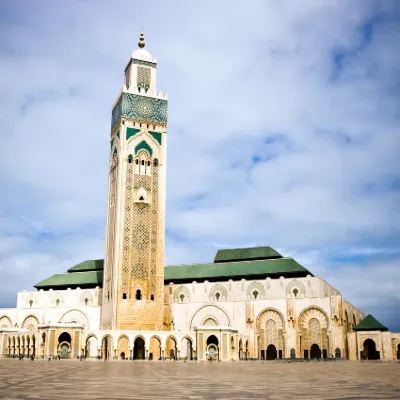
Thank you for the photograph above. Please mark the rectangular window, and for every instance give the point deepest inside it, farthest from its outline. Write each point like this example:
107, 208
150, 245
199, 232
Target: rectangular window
128, 77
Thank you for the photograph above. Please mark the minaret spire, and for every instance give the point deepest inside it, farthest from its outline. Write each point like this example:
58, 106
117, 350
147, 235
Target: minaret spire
141, 43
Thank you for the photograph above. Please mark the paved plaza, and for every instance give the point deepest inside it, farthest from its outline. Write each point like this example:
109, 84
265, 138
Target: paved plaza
70, 379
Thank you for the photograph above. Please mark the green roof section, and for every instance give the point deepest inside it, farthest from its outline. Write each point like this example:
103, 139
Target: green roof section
72, 280
246, 254
248, 263
88, 265
243, 269
370, 323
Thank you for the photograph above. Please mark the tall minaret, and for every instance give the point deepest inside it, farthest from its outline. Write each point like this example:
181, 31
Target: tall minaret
133, 282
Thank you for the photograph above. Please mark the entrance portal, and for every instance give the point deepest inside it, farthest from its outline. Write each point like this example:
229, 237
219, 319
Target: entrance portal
369, 350
212, 347
271, 352
138, 349
315, 352
64, 343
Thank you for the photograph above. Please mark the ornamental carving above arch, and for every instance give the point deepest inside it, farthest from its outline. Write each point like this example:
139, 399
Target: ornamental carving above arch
31, 322
182, 291
5, 322
299, 286
255, 286
74, 316
270, 314
310, 313
218, 288
209, 311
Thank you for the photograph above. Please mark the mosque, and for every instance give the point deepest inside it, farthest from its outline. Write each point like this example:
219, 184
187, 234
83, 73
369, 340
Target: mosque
250, 303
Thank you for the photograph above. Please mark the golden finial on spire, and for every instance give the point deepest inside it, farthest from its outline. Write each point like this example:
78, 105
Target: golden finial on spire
141, 43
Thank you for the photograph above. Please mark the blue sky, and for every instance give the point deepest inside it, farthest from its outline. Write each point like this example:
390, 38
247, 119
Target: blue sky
283, 131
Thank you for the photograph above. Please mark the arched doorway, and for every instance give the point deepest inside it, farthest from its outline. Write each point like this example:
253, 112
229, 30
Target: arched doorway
91, 347
212, 347
155, 348
171, 348
271, 352
315, 352
398, 351
107, 347
139, 349
123, 347
369, 350
64, 345
187, 349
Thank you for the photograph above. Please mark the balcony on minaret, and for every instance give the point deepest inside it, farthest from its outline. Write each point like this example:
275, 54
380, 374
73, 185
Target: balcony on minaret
142, 197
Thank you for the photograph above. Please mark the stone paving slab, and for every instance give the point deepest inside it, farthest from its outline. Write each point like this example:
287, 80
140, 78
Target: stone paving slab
70, 379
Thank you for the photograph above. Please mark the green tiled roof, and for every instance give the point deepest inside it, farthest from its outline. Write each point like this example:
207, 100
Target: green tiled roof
243, 269
250, 253
369, 323
250, 263
89, 265
73, 280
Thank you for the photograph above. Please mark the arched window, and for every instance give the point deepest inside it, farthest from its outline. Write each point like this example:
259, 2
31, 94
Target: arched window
137, 161
130, 159
142, 162
255, 294
148, 163
141, 198
123, 296
295, 292
86, 301
155, 162
138, 294
182, 297
30, 303
108, 296
58, 302
152, 297
217, 296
